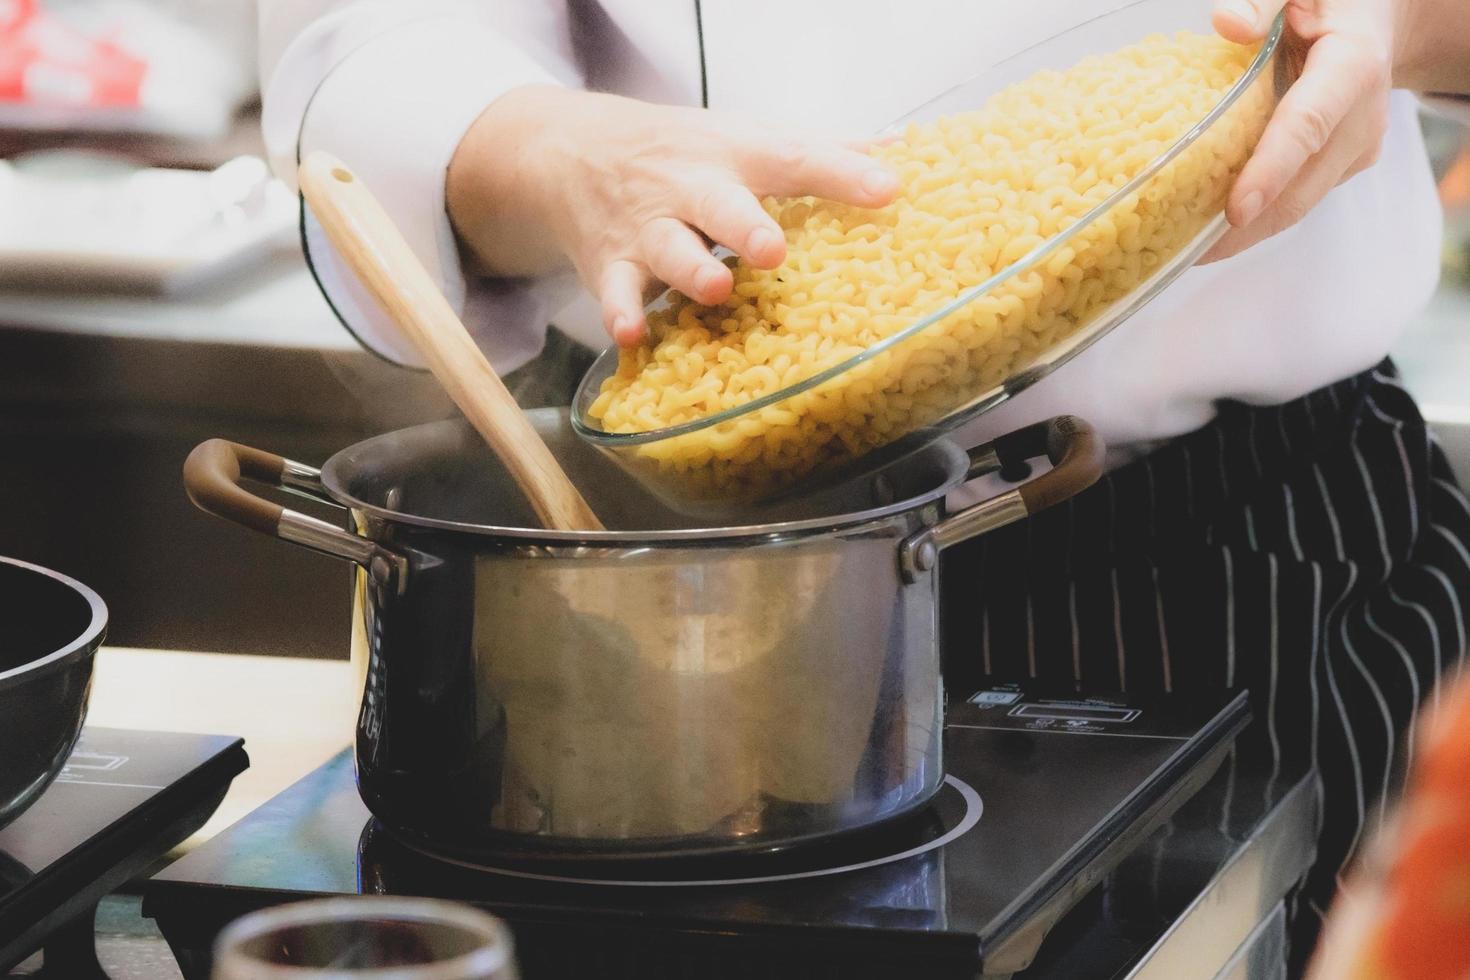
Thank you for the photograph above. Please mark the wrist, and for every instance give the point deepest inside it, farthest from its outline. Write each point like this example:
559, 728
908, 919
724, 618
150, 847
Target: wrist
495, 186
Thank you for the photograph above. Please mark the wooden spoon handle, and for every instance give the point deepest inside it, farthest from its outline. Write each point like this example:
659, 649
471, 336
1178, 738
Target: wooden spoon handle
367, 238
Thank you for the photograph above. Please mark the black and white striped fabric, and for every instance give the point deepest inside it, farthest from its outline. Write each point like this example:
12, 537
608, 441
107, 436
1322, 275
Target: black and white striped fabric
1315, 553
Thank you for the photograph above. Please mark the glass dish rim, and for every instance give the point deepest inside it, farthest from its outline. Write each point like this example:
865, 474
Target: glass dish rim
495, 953
1025, 263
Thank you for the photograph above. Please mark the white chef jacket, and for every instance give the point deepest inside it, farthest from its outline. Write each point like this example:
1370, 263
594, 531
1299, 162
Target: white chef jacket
390, 88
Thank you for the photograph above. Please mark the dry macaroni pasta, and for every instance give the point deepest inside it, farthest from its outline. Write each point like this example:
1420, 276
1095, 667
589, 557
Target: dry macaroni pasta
980, 190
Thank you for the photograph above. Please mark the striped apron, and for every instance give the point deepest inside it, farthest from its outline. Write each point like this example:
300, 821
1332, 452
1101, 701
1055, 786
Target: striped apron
1314, 553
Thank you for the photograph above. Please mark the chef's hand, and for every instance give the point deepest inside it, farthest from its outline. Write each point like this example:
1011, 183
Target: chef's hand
632, 192
1329, 124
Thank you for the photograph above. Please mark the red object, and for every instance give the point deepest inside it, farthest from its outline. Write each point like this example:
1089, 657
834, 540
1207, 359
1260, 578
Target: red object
1426, 929
1443, 769
14, 12
1418, 914
45, 60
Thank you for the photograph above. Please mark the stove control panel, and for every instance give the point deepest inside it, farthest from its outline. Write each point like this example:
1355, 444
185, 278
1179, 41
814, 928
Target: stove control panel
1069, 712
1022, 708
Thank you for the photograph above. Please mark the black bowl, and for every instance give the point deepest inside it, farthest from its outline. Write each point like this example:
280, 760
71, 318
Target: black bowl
50, 628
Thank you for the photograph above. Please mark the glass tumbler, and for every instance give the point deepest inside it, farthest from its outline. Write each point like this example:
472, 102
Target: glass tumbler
366, 938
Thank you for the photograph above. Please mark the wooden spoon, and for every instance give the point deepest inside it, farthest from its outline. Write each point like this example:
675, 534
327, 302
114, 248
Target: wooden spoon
367, 238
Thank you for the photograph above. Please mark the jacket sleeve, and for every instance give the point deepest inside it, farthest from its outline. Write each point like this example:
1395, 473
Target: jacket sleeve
390, 88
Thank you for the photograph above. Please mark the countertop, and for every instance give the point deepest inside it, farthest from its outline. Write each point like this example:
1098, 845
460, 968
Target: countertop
293, 713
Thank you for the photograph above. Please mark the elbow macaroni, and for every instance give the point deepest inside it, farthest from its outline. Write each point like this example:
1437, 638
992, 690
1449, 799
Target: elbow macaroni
979, 191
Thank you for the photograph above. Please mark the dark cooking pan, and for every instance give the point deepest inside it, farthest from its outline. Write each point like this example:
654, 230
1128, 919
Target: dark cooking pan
49, 633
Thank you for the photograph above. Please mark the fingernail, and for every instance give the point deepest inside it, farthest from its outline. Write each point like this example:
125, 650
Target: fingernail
761, 240
1242, 9
704, 280
879, 182
620, 327
1250, 208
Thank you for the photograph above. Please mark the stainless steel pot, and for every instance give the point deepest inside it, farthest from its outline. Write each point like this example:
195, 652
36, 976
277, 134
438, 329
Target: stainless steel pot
652, 689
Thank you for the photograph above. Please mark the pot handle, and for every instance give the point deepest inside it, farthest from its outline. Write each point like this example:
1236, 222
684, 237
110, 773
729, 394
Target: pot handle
1076, 454
212, 476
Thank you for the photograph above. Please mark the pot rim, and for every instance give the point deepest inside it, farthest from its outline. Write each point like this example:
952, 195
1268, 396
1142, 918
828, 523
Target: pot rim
956, 460
84, 644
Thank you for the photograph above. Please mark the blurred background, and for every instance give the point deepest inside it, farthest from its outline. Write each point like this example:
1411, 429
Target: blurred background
152, 295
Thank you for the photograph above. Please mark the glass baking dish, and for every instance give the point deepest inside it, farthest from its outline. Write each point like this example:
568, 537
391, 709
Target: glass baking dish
691, 464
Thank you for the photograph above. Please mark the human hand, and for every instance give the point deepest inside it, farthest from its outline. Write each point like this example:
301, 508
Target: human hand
1329, 125
632, 193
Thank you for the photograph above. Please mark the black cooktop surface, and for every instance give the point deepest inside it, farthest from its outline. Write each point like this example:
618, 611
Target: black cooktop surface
1043, 797
124, 799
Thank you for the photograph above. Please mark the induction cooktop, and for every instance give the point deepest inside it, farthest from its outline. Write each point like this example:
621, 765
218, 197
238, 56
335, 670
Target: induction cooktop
123, 801
1044, 795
